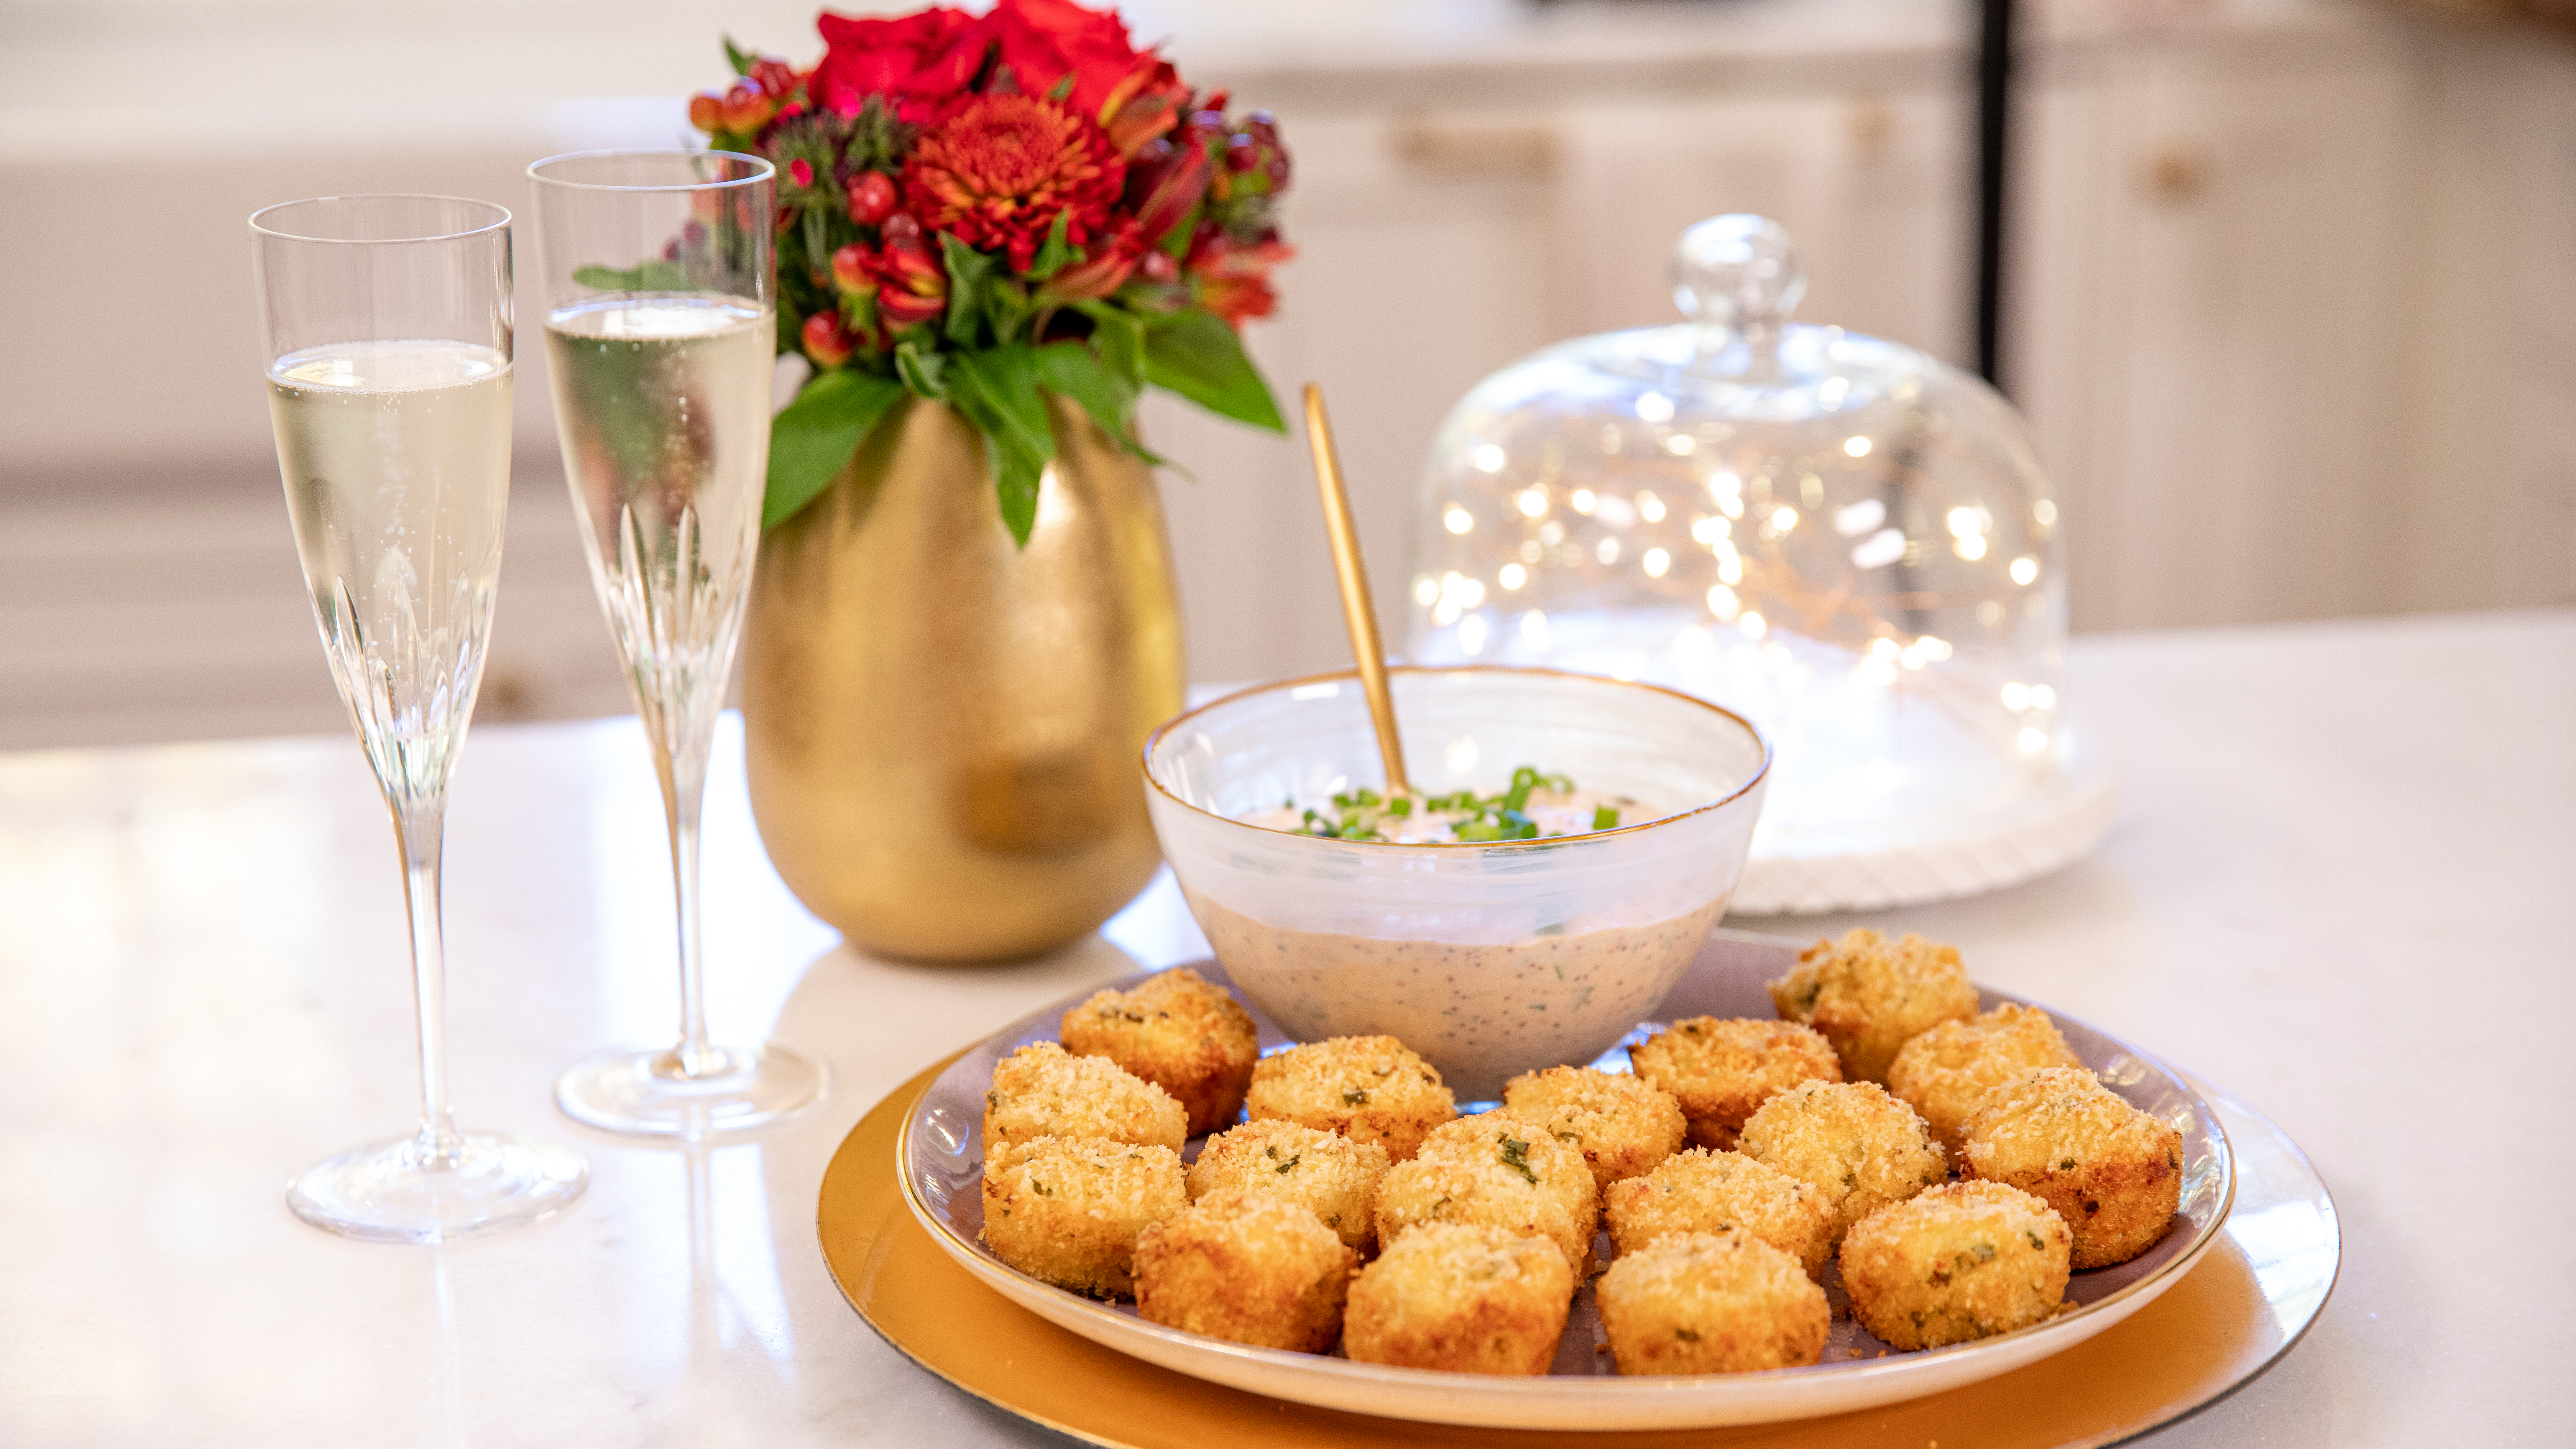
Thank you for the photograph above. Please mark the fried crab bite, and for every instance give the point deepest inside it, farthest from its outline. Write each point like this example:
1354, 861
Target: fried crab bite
1946, 1071
1368, 1088
1461, 1297
1711, 1303
1495, 1170
1721, 1069
1248, 1267
1964, 1260
1069, 1209
1700, 1191
1870, 996
1178, 1031
1861, 1148
1621, 1125
1325, 1173
1040, 1091
2112, 1171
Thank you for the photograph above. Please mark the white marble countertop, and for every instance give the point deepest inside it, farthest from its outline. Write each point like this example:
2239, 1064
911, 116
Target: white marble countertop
2338, 888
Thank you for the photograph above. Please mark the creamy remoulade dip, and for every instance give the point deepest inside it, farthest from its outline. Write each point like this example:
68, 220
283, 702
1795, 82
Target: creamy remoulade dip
1534, 806
1482, 1013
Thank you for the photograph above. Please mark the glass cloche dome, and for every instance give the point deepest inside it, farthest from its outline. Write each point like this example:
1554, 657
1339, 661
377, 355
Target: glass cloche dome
1843, 538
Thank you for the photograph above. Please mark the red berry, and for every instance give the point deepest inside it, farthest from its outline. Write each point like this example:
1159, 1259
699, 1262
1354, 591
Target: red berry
824, 340
871, 198
801, 171
850, 270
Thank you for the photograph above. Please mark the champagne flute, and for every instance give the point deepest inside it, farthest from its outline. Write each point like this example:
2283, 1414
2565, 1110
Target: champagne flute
660, 333
385, 324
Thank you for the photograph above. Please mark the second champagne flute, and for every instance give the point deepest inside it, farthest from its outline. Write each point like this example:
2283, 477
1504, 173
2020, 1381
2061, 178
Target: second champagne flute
660, 329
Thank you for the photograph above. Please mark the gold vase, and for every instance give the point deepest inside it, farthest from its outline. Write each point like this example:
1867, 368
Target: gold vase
943, 730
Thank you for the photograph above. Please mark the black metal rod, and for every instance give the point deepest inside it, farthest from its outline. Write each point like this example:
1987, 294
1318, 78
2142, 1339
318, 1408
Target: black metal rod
1994, 104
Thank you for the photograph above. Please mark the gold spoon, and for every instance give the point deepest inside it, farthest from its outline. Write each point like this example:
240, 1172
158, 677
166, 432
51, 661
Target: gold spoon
1357, 607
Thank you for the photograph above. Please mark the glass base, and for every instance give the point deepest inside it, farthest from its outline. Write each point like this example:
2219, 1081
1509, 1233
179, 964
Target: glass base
645, 1091
393, 1192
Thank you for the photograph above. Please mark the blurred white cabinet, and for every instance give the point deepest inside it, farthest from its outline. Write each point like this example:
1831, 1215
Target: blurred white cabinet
2210, 322
2293, 312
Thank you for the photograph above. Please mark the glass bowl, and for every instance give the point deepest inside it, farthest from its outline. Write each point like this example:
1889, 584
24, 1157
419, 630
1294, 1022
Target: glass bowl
1490, 959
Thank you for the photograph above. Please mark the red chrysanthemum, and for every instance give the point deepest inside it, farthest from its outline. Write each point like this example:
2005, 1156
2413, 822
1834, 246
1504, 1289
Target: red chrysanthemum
998, 170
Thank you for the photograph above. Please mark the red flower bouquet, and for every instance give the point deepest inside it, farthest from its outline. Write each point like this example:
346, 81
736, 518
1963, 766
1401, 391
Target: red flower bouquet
983, 209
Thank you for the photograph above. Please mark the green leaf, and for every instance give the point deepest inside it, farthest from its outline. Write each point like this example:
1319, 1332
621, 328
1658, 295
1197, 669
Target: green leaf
1058, 253
1061, 89
654, 276
923, 373
1071, 368
1120, 336
813, 439
1196, 355
997, 391
737, 57
1007, 302
967, 271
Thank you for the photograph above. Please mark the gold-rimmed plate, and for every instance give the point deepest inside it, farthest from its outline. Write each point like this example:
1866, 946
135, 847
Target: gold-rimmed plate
939, 1164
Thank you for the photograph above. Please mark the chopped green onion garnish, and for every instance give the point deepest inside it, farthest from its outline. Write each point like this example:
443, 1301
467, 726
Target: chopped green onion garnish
1604, 818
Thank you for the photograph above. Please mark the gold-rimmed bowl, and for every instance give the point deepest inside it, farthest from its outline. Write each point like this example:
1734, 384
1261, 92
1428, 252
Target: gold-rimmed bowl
1488, 958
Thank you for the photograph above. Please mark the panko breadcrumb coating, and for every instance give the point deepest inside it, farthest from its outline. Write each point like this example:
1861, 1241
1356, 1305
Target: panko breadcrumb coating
1711, 1303
1325, 1173
1455, 1296
1069, 1209
1368, 1088
2112, 1171
1041, 1091
1722, 1069
1870, 996
1964, 1260
1497, 1170
1248, 1267
1700, 1191
1860, 1147
1180, 1032
1946, 1071
1621, 1125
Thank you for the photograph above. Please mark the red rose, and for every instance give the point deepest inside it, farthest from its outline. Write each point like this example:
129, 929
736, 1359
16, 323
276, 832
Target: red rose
1043, 41
913, 60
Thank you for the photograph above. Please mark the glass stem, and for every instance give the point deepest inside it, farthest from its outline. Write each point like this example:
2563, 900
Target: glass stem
684, 788
421, 830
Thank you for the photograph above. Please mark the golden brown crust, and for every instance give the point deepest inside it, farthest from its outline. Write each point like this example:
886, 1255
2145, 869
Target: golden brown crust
1699, 1191
1247, 1267
1069, 1210
1461, 1297
1722, 1069
1368, 1088
1711, 1303
1945, 1072
1042, 1091
1860, 1147
1869, 995
1621, 1125
1180, 1032
1498, 1170
1327, 1174
2112, 1171
1962, 1261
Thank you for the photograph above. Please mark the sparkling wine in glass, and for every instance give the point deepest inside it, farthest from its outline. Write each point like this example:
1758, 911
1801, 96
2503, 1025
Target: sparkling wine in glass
660, 336
386, 327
